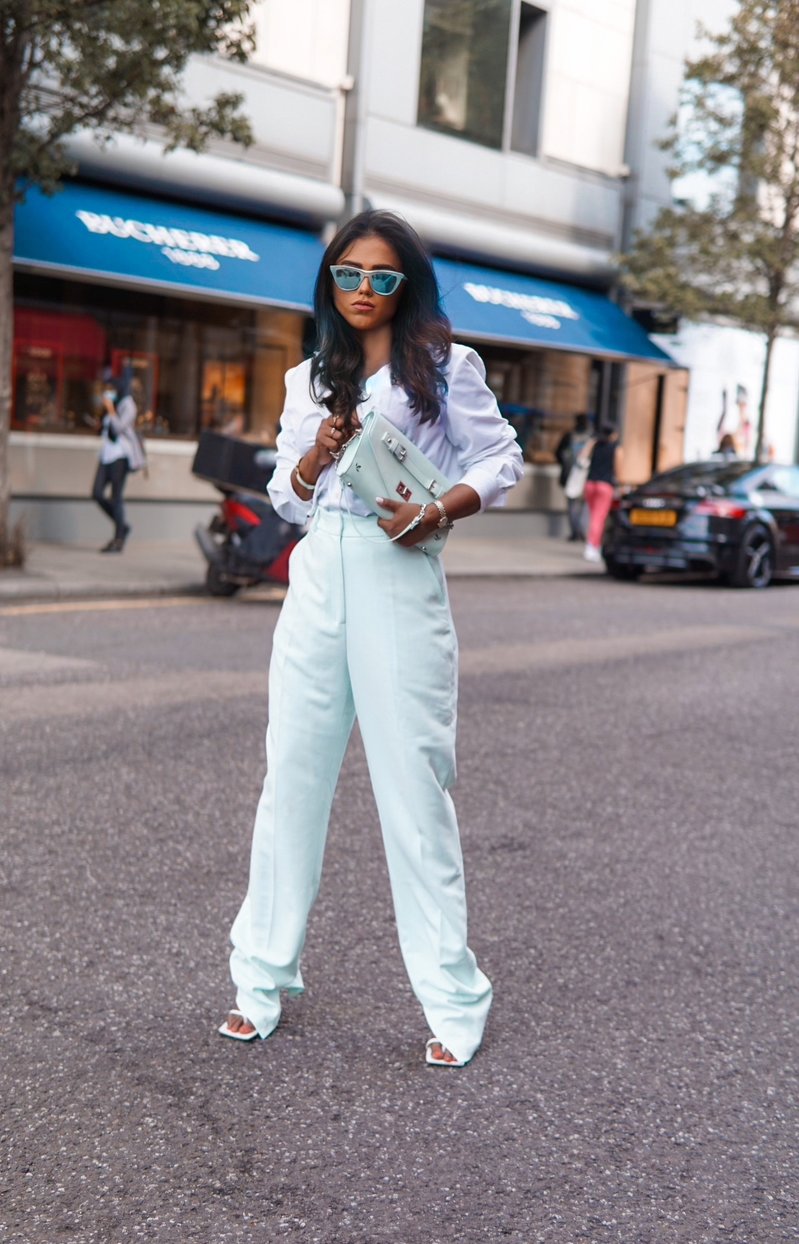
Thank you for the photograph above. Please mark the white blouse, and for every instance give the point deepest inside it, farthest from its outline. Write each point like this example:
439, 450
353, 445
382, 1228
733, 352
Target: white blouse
470, 441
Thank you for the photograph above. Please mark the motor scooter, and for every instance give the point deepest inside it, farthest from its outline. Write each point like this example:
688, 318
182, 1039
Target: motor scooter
246, 542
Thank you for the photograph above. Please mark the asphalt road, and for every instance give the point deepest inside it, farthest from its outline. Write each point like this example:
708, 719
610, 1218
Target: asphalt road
627, 794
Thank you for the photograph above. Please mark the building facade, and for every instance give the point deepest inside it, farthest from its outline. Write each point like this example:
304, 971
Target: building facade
493, 126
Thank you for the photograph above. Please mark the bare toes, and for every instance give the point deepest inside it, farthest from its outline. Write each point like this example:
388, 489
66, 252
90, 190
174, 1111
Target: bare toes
237, 1023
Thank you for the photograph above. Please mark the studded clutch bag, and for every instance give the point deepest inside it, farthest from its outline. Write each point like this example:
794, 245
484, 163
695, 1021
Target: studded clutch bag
380, 462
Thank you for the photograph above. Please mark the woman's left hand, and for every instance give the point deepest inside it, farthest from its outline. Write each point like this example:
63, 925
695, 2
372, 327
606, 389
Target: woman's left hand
403, 513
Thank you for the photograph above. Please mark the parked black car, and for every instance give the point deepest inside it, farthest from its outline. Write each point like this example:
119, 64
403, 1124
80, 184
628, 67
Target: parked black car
738, 520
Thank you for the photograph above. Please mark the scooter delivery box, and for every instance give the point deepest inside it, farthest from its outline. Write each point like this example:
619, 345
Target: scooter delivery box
233, 465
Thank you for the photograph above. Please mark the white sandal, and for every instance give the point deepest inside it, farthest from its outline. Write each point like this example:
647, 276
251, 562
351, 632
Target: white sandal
432, 1061
224, 1031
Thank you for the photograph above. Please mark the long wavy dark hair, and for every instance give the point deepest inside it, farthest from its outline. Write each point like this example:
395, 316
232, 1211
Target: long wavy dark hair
421, 333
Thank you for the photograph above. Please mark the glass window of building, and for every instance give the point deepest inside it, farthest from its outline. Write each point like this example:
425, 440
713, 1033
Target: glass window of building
465, 45
477, 55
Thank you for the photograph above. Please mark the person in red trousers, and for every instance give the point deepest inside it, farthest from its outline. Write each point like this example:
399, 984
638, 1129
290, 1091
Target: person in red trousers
600, 487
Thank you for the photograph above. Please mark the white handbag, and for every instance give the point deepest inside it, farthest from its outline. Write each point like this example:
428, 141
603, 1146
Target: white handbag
380, 462
578, 475
576, 481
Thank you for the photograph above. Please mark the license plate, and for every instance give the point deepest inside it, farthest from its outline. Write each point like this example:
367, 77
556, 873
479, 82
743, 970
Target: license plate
653, 518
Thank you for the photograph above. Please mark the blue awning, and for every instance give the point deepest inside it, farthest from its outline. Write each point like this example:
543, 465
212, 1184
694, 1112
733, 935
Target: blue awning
128, 239
132, 240
491, 305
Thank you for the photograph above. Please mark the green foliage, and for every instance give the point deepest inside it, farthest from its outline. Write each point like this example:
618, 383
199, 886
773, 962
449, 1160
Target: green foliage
108, 65
736, 253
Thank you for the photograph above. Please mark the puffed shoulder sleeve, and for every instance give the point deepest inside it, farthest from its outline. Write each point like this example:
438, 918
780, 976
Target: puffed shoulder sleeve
488, 451
299, 413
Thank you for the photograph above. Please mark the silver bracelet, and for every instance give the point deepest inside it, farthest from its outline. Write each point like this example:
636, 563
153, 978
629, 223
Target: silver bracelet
303, 483
412, 525
444, 520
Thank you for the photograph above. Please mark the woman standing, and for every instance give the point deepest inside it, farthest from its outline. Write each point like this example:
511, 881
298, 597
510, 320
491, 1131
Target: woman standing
120, 453
572, 449
600, 487
366, 631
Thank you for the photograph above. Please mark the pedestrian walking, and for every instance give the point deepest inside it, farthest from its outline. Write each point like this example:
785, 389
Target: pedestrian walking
600, 486
571, 449
121, 452
366, 631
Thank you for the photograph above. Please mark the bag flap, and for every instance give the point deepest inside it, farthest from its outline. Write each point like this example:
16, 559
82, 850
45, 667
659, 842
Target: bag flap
410, 460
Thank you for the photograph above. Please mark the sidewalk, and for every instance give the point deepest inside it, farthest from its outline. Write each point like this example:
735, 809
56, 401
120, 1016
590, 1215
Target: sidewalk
156, 568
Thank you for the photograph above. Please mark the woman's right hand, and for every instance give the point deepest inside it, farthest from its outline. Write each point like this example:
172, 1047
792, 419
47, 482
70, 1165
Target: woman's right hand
329, 439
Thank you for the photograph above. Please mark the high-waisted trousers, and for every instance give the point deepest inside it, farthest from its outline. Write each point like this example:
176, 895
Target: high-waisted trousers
365, 631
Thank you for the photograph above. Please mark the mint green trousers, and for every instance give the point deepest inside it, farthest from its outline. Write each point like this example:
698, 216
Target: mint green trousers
365, 631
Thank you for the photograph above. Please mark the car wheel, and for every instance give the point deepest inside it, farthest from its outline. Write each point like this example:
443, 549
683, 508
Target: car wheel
618, 571
754, 563
217, 585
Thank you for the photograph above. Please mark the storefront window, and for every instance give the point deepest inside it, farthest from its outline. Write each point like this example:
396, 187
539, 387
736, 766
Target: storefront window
189, 365
56, 360
539, 392
224, 395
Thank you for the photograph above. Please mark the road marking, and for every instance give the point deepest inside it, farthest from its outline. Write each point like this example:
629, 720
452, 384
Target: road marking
256, 595
15, 662
99, 606
83, 699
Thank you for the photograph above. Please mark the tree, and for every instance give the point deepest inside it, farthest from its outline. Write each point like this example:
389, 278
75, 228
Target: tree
733, 249
103, 66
